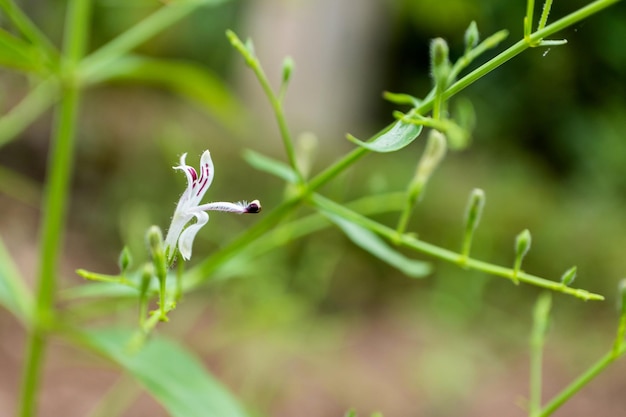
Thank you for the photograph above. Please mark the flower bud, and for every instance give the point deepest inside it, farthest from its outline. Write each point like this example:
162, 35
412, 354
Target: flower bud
474, 209
568, 276
155, 243
522, 246
433, 154
125, 259
288, 65
146, 277
471, 36
439, 62
473, 213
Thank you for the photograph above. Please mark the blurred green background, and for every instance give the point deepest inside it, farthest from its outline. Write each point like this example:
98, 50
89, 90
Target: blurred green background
319, 326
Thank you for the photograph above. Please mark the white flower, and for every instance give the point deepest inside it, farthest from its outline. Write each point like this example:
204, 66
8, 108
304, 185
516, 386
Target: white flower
189, 207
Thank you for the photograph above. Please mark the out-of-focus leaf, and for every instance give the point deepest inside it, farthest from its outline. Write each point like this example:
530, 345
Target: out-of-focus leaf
16, 53
13, 292
271, 166
99, 289
186, 78
172, 375
399, 135
370, 242
19, 187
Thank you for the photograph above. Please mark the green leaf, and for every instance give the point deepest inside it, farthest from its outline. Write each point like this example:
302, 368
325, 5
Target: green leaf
171, 374
271, 166
185, 78
99, 290
370, 242
397, 136
14, 294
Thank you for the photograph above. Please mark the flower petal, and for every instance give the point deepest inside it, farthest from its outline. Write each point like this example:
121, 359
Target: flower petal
179, 221
185, 241
203, 182
192, 177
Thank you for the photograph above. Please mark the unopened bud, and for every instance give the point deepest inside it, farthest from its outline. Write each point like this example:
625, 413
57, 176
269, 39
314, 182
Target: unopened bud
522, 243
568, 276
125, 259
439, 62
433, 154
474, 209
146, 278
471, 36
288, 66
522, 246
155, 242
473, 213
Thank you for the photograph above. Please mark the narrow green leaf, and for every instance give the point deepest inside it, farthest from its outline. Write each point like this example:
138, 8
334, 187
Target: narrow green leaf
13, 292
401, 98
99, 290
398, 136
16, 53
171, 374
271, 166
370, 242
186, 78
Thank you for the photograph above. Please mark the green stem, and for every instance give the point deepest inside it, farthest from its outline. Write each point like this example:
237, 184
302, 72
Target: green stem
279, 113
54, 211
544, 14
53, 216
528, 19
537, 339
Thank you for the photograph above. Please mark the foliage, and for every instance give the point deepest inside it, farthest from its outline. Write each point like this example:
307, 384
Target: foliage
170, 373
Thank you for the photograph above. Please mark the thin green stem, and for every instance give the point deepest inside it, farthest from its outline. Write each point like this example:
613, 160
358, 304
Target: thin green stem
537, 340
619, 339
405, 216
528, 19
544, 14
54, 213
53, 216
275, 100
